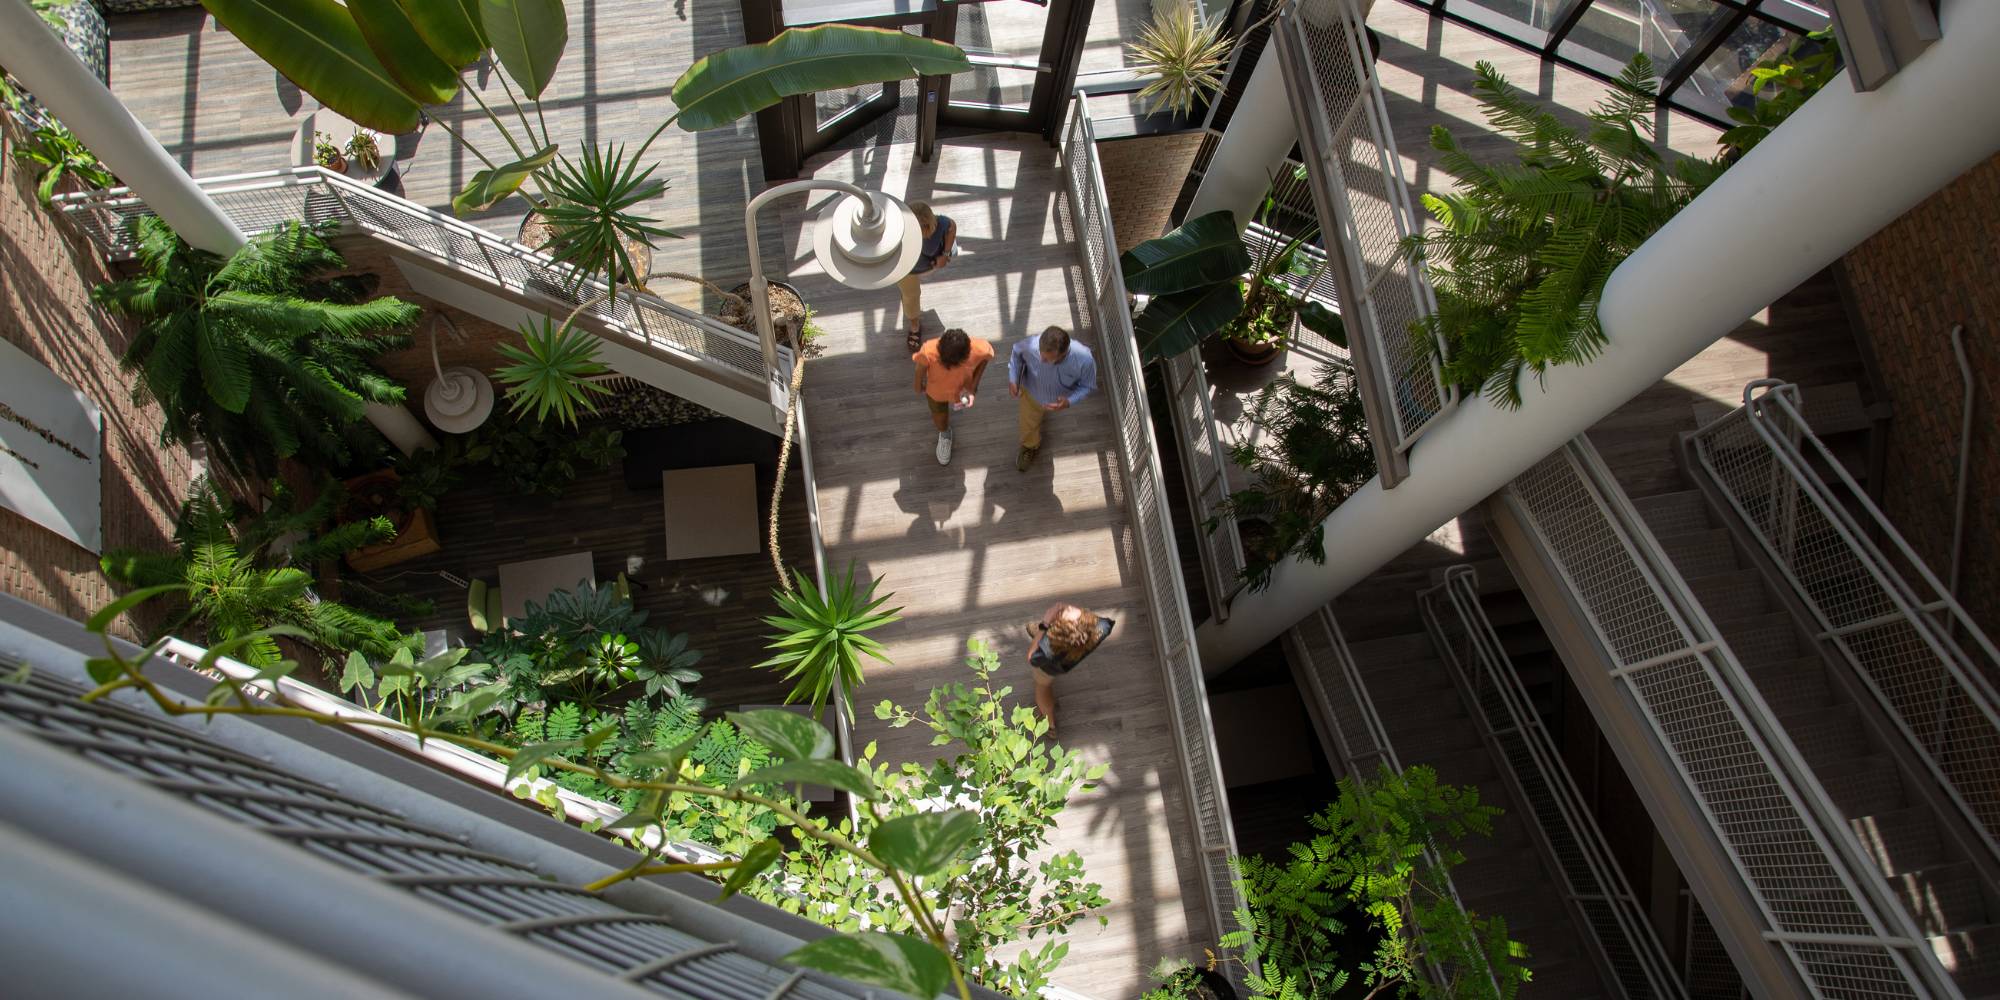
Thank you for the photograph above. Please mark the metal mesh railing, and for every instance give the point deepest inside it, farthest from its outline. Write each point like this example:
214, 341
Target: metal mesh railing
1613, 920
1145, 503
1365, 214
1909, 641
258, 202
1823, 905
1205, 463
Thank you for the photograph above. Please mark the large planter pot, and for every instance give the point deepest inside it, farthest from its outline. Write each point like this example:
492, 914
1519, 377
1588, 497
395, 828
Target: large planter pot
536, 233
788, 312
1256, 355
416, 531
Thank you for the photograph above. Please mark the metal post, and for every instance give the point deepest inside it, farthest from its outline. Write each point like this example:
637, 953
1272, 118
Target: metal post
62, 82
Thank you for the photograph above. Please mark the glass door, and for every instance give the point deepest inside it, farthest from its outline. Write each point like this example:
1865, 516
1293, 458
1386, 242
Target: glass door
1023, 56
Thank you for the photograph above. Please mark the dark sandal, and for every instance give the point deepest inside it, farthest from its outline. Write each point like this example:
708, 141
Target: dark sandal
914, 341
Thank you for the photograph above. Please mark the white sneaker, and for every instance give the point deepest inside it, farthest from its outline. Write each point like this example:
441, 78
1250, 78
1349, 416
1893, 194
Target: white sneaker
944, 447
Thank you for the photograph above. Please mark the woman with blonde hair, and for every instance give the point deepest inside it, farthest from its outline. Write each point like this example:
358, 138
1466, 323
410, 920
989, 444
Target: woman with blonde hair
1065, 635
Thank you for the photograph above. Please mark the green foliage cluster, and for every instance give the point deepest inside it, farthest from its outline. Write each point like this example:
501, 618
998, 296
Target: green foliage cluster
1313, 454
1522, 251
823, 636
551, 371
587, 644
241, 574
1379, 866
56, 155
717, 752
1205, 281
1791, 77
265, 354
424, 692
1002, 772
934, 876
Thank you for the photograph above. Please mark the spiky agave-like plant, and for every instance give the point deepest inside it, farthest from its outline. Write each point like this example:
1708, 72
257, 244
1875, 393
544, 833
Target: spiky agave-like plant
1522, 250
1184, 53
821, 639
259, 353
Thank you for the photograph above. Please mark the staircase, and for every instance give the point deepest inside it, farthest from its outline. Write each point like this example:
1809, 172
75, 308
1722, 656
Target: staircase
1426, 723
1932, 876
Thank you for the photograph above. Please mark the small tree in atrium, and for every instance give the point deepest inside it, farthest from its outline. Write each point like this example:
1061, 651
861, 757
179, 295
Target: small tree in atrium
1522, 250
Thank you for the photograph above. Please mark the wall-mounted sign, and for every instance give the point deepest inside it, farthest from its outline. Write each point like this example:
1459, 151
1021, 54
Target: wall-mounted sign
51, 437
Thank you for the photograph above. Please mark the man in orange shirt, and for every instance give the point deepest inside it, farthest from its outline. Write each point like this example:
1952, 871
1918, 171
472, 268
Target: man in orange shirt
948, 371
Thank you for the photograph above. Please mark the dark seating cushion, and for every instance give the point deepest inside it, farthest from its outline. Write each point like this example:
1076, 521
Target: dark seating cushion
698, 445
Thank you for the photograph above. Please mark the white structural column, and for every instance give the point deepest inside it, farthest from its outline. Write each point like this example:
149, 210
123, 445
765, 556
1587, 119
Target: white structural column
1252, 148
69, 89
1841, 168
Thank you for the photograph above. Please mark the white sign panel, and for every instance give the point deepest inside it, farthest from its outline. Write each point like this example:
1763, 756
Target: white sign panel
51, 438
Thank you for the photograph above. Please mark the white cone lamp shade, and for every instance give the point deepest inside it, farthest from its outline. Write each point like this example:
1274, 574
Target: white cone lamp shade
864, 249
461, 398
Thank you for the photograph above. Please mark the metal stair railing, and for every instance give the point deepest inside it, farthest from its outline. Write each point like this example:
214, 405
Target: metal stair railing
1144, 501
260, 201
1821, 903
1365, 213
1898, 629
1205, 466
1595, 888
1358, 738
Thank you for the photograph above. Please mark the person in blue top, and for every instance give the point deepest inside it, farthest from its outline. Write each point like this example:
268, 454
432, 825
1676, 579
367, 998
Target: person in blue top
1047, 373
940, 235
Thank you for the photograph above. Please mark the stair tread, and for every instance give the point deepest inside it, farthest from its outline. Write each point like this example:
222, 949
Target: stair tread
1899, 840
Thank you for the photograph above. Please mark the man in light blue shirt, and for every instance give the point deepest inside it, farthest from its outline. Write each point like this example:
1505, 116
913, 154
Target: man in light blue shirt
1047, 373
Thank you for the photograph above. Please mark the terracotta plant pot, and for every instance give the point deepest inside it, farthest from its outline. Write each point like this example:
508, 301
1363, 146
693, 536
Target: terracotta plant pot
788, 312
1254, 354
536, 233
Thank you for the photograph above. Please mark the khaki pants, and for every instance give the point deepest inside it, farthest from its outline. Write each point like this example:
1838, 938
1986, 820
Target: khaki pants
1031, 421
912, 287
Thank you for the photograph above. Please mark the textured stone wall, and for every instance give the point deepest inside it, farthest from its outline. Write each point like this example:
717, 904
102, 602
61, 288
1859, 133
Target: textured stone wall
1936, 267
1142, 177
46, 273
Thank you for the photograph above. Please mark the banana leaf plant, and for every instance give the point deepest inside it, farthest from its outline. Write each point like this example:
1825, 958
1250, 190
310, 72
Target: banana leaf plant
1203, 280
387, 64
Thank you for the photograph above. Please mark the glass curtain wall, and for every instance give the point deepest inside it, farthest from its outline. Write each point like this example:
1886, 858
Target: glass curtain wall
1703, 50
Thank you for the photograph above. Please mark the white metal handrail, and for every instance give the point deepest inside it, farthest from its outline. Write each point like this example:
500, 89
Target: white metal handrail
1355, 729
1593, 883
1121, 375
1365, 215
1822, 904
262, 200
1205, 466
1898, 630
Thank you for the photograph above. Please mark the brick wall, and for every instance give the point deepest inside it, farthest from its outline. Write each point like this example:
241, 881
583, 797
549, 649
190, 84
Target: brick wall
46, 273
1933, 268
1142, 177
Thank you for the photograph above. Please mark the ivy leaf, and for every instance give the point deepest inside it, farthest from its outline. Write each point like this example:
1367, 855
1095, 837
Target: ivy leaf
533, 754
925, 842
649, 810
666, 761
830, 773
788, 734
898, 962
759, 857
357, 675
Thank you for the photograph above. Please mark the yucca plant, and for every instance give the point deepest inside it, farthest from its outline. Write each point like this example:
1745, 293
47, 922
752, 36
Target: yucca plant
258, 354
239, 584
1184, 54
591, 209
1521, 251
822, 638
551, 372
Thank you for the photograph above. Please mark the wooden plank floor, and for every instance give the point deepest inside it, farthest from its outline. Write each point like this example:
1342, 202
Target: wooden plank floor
219, 109
974, 549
